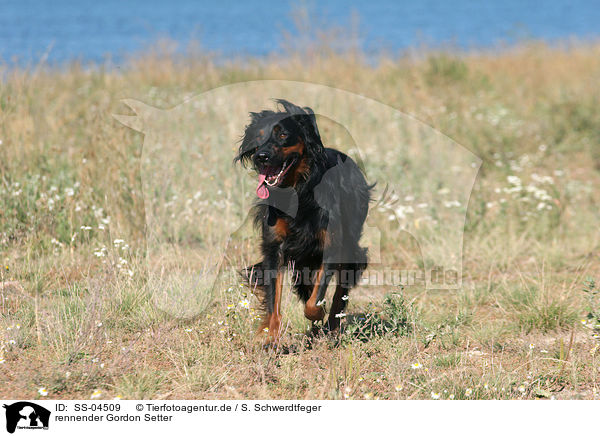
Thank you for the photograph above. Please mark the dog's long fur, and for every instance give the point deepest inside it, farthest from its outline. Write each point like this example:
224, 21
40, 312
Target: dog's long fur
312, 218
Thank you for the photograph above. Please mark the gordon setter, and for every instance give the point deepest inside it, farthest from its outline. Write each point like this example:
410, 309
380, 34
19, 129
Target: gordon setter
312, 204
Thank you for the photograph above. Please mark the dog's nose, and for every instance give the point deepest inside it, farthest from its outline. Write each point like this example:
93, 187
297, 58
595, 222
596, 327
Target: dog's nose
262, 157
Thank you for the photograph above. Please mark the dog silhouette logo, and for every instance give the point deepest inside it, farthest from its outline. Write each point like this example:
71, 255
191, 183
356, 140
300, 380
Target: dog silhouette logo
26, 415
196, 203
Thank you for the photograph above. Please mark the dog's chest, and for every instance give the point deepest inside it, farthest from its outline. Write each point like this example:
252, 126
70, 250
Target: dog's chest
290, 230
281, 228
298, 239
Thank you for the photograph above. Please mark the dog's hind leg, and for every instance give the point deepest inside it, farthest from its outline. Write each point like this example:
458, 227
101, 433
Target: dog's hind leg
348, 276
340, 300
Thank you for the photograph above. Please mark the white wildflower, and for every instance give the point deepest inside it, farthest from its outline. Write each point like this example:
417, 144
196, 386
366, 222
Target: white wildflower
514, 180
452, 203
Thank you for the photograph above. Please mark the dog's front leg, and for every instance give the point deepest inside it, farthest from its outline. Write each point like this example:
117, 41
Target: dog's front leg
314, 309
273, 274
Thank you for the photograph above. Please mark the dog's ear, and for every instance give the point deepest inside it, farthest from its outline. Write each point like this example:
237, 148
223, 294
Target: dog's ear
290, 107
312, 119
246, 150
247, 147
305, 117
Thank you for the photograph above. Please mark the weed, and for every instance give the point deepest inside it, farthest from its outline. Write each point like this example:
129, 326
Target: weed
396, 319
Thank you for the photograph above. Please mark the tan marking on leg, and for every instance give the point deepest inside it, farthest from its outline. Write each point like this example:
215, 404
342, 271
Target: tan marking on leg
275, 321
311, 310
271, 325
263, 325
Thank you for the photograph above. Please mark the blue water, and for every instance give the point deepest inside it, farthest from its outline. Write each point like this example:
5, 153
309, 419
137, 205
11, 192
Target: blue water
94, 30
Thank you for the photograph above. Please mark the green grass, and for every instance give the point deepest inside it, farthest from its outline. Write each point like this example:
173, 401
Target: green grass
534, 309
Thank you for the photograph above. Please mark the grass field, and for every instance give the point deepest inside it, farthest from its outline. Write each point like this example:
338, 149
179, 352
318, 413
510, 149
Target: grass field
77, 319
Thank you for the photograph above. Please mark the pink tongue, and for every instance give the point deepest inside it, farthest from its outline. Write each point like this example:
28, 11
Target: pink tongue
262, 190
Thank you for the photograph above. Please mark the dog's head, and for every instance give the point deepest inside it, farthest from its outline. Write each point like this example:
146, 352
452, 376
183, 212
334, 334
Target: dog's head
281, 145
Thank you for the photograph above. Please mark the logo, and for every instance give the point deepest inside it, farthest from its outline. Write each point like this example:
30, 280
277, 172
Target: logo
26, 415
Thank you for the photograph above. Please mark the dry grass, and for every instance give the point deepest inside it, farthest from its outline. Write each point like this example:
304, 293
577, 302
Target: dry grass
74, 322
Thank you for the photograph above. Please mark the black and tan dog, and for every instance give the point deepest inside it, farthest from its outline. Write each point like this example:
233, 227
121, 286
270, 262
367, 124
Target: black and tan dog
313, 203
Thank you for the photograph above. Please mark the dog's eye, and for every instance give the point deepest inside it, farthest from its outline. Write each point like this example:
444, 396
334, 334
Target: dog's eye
282, 135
